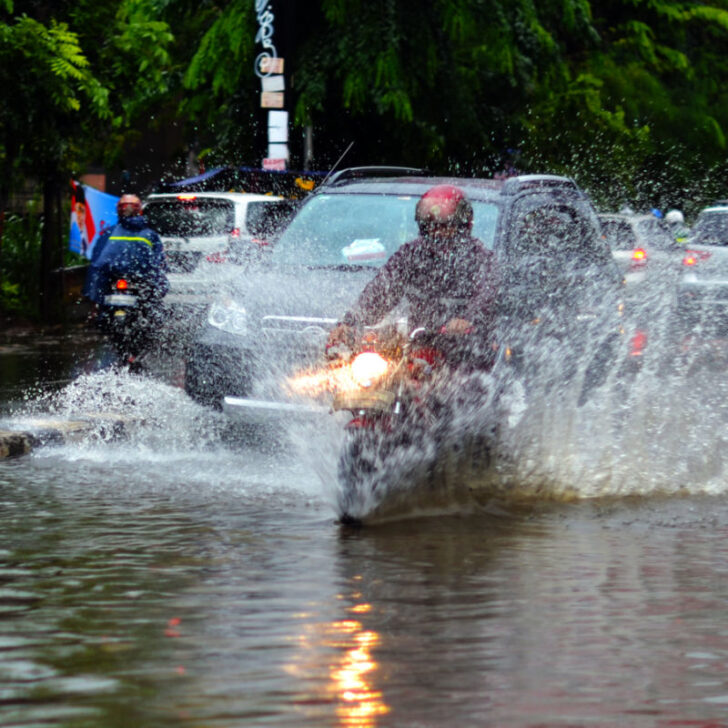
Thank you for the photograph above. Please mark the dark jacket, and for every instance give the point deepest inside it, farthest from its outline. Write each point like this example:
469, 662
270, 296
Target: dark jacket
131, 249
439, 284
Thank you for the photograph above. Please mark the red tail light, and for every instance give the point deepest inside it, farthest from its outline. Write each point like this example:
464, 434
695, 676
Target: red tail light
639, 258
638, 343
434, 357
235, 233
693, 257
186, 198
122, 284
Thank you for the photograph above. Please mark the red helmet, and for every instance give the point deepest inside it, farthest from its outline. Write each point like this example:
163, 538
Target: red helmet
444, 206
129, 206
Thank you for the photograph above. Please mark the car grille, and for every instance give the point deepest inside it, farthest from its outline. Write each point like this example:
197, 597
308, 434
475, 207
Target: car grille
305, 326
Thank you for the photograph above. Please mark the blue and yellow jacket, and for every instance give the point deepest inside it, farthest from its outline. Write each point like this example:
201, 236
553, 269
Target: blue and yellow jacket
130, 249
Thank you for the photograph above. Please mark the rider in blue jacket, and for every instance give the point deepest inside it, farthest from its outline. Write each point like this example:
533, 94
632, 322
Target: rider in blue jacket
131, 249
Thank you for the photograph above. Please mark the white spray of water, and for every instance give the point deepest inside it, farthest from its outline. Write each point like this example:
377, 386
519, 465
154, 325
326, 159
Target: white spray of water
509, 436
164, 441
656, 428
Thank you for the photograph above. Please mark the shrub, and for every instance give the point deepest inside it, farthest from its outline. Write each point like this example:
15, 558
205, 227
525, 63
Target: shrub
20, 248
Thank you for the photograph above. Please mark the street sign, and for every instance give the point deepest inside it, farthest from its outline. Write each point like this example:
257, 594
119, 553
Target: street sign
271, 100
269, 65
276, 164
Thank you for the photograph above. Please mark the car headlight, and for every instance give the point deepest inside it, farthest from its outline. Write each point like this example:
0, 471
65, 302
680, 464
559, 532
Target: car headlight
229, 316
368, 367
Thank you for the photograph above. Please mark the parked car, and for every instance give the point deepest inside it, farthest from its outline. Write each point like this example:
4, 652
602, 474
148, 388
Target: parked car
204, 232
643, 247
543, 229
702, 292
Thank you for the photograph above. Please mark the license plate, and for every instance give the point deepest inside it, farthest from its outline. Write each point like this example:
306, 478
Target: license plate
120, 299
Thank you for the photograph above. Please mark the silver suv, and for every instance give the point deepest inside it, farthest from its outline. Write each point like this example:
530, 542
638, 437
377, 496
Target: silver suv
275, 321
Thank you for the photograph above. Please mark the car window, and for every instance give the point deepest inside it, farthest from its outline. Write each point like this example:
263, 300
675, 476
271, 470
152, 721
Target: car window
485, 218
190, 217
263, 218
652, 232
711, 228
619, 235
360, 229
550, 231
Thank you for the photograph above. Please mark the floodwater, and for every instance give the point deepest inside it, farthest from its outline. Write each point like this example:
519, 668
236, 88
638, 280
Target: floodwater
184, 576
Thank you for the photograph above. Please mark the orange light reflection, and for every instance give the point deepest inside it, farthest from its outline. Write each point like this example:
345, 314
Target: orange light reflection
314, 382
350, 688
360, 703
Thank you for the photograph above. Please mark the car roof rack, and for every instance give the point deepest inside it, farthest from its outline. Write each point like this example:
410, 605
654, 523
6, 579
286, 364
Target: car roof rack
350, 173
514, 185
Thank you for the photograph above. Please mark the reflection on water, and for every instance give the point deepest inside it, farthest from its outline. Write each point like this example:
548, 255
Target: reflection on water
186, 577
353, 672
360, 704
232, 597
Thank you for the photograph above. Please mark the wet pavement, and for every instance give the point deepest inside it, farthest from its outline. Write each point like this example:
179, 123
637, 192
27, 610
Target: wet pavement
183, 576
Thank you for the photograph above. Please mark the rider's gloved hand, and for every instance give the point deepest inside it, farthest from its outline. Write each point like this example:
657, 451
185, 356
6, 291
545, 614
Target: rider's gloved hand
457, 326
340, 342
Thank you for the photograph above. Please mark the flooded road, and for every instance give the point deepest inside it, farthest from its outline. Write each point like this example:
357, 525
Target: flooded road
184, 577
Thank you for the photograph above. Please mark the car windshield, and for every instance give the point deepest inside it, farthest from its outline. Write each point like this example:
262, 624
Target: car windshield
619, 234
652, 231
361, 229
189, 217
711, 228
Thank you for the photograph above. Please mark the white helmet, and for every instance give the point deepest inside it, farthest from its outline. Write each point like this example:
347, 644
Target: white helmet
674, 216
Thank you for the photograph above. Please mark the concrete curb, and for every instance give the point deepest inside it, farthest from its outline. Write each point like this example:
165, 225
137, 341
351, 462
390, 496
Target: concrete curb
39, 432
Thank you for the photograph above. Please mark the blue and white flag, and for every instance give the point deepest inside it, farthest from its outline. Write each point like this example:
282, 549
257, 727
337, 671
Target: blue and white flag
91, 212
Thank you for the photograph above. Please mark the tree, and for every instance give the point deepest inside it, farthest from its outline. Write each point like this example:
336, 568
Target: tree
62, 105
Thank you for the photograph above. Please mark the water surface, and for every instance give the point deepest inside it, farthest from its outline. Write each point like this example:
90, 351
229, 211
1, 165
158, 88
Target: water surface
187, 576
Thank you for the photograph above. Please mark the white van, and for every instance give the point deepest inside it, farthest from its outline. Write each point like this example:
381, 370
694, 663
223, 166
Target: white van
195, 226
205, 234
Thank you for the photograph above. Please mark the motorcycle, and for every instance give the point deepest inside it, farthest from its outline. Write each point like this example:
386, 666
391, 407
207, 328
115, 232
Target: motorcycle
130, 315
403, 398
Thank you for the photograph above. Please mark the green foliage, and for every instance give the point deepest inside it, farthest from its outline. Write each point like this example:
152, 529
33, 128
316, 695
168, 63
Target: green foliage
224, 57
611, 91
45, 73
20, 262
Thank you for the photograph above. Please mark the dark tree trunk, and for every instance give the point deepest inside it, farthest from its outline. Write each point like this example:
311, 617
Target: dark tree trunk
4, 196
51, 255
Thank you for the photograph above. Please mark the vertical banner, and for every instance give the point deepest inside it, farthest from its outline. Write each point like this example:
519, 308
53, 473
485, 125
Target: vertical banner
269, 68
91, 212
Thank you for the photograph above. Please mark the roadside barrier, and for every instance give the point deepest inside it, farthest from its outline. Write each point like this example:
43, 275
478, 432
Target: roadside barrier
34, 433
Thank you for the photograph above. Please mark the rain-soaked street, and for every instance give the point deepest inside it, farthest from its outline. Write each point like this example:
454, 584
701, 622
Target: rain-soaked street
187, 576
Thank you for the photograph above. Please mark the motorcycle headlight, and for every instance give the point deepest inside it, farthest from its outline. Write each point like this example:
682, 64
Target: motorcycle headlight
227, 315
368, 367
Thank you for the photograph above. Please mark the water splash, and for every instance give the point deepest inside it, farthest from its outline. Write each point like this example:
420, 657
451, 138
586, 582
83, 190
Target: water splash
645, 426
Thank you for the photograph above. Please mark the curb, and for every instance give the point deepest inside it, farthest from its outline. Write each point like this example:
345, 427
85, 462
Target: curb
39, 432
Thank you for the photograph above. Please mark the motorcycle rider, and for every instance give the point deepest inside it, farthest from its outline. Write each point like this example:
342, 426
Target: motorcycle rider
676, 222
130, 249
446, 275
